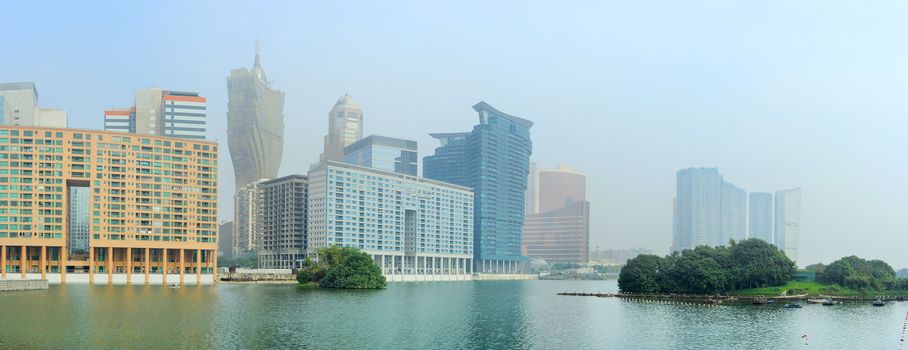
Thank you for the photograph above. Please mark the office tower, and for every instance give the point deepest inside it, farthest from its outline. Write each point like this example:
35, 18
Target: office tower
225, 239
532, 196
760, 223
345, 126
788, 221
415, 228
161, 112
19, 106
247, 209
493, 160
283, 222
560, 232
697, 208
139, 230
386, 153
255, 124
733, 225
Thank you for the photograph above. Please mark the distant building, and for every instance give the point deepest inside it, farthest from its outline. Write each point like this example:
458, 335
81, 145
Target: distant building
414, 228
616, 256
532, 195
78, 217
760, 224
161, 112
788, 221
19, 106
698, 206
386, 153
345, 126
283, 217
225, 239
247, 209
733, 222
561, 231
255, 124
493, 160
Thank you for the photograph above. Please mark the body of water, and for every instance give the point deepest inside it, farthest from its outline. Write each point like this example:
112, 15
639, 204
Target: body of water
471, 315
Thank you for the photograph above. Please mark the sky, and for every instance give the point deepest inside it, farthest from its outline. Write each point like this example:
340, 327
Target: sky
776, 94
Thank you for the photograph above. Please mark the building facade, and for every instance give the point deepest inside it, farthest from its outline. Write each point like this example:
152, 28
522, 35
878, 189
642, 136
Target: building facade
697, 208
733, 222
247, 208
386, 153
415, 228
283, 222
161, 112
255, 125
788, 222
345, 126
19, 106
760, 216
493, 160
560, 232
152, 207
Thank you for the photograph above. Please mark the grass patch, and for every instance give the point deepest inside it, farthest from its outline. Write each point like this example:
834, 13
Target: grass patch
813, 289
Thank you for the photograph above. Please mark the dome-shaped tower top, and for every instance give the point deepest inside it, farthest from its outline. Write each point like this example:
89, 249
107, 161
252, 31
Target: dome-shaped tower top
257, 67
346, 101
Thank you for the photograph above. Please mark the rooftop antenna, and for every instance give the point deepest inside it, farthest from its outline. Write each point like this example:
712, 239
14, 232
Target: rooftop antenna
258, 48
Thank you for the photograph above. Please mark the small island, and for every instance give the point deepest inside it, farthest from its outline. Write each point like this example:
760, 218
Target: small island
344, 268
754, 268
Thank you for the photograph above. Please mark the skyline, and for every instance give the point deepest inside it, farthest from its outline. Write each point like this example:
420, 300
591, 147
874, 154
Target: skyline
798, 115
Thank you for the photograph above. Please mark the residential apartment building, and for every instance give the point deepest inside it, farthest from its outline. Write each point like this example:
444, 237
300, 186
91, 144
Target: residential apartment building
415, 228
760, 216
282, 243
788, 221
150, 203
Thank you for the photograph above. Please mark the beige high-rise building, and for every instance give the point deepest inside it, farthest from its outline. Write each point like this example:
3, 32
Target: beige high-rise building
345, 126
137, 209
559, 230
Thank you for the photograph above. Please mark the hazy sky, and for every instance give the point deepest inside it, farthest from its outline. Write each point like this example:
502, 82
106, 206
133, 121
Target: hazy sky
777, 94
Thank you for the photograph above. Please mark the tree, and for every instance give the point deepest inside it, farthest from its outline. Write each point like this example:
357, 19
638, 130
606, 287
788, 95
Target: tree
759, 264
640, 274
854, 272
342, 268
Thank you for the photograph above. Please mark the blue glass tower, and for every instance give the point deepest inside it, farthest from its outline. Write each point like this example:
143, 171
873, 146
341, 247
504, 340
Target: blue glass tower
493, 159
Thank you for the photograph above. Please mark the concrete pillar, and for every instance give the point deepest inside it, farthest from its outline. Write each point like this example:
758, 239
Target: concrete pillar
147, 264
128, 266
214, 265
43, 266
3, 261
182, 265
91, 265
109, 265
23, 257
384, 271
198, 267
61, 259
164, 272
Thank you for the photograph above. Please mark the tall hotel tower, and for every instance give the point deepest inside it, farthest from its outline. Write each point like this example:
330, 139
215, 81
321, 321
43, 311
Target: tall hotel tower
345, 126
493, 160
255, 124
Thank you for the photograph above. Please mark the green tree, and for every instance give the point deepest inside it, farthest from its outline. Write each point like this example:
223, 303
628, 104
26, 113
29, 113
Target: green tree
759, 264
640, 274
338, 267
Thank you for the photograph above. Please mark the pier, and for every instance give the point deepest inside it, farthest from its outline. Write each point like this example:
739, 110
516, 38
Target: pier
21, 285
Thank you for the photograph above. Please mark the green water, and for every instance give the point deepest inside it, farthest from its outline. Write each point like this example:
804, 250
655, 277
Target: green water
463, 315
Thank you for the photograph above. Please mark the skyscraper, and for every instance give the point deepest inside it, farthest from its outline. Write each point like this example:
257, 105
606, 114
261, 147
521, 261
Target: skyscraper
697, 208
734, 214
345, 126
760, 224
255, 124
19, 106
788, 221
560, 232
161, 112
493, 159
386, 153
